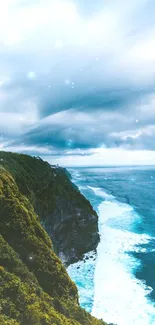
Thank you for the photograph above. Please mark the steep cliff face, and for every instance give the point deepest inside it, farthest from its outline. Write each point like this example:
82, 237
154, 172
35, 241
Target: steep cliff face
35, 287
64, 212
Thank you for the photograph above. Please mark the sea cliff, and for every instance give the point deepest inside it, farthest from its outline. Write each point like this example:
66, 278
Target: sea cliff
45, 224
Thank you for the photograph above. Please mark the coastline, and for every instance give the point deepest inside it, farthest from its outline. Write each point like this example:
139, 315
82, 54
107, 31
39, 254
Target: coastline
117, 250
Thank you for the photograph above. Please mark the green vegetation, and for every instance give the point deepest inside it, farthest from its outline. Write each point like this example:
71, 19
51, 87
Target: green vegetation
66, 215
35, 288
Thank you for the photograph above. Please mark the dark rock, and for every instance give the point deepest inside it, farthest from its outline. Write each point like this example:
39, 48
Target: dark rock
35, 287
64, 212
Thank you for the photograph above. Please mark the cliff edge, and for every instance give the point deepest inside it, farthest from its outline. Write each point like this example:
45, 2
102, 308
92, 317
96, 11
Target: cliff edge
35, 287
67, 216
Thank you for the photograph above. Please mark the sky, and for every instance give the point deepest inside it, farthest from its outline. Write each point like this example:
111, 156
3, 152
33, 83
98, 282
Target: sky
77, 80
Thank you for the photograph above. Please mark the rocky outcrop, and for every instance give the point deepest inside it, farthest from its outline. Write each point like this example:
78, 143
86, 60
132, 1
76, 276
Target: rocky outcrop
72, 224
67, 216
35, 287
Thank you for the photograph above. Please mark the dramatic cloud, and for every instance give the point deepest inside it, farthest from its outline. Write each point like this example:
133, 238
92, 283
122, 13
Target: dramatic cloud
77, 77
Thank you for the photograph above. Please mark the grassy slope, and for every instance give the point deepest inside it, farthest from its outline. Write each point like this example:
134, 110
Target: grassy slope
66, 214
35, 287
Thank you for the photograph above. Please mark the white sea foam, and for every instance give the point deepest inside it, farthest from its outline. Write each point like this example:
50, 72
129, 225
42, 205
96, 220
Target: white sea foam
98, 191
118, 296
111, 290
82, 273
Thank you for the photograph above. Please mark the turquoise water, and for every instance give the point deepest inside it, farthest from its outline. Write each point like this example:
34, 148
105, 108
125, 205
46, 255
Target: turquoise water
118, 284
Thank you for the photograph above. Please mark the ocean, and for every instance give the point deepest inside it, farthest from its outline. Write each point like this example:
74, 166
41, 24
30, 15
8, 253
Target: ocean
118, 283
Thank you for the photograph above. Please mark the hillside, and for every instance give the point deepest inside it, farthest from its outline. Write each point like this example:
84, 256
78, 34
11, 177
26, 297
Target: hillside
35, 287
65, 214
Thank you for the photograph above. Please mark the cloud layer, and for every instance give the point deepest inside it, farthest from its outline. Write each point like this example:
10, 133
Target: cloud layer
77, 77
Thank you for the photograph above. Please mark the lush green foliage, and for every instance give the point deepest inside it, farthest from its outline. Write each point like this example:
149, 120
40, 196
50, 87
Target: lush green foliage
55, 199
35, 288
